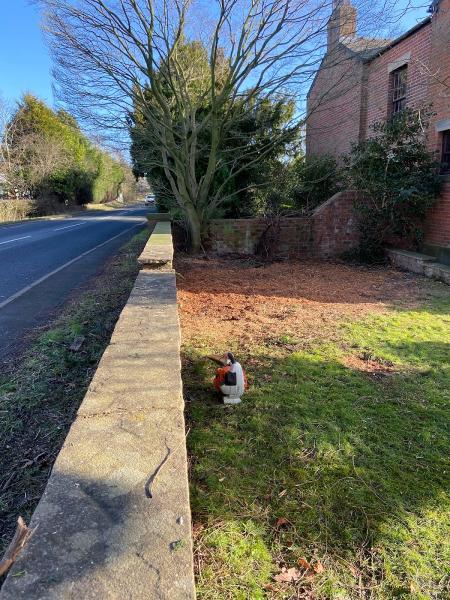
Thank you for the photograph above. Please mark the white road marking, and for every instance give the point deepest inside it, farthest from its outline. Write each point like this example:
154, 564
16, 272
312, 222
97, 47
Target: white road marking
68, 226
67, 264
16, 239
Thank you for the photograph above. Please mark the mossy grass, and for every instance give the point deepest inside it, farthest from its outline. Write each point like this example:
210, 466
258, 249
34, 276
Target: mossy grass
353, 462
41, 392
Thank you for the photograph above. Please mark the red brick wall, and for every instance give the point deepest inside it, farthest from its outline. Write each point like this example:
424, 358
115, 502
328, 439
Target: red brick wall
363, 98
334, 106
438, 222
329, 232
335, 226
439, 93
378, 80
347, 97
437, 230
287, 237
290, 238
235, 235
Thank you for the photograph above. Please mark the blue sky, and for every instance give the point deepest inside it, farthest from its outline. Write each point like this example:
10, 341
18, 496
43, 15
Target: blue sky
25, 65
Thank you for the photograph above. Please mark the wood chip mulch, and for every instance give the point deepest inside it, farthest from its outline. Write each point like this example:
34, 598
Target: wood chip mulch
244, 301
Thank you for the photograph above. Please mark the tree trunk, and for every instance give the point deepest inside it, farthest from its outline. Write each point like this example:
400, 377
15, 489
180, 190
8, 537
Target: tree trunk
195, 229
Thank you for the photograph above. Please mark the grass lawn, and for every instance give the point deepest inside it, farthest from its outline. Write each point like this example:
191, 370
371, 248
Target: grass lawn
331, 479
41, 391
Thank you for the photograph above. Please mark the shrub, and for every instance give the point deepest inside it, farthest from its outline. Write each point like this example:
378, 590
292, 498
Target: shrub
398, 178
15, 210
50, 157
298, 185
107, 178
316, 179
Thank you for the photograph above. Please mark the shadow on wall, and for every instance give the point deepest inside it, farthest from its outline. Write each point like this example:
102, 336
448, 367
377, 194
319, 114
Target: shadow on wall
99, 534
67, 550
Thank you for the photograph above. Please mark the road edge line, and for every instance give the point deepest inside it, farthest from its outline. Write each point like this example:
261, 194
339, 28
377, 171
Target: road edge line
67, 264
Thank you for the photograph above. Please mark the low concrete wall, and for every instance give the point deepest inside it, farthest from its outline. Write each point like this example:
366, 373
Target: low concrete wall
440, 253
409, 261
158, 253
152, 217
422, 264
114, 521
438, 271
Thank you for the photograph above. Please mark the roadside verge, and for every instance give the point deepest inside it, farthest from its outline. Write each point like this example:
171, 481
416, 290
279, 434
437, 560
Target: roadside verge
114, 520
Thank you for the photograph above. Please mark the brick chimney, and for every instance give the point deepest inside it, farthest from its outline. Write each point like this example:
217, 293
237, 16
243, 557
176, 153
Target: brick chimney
342, 23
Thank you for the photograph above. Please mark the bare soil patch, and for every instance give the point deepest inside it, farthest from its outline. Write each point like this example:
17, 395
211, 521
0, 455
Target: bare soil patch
242, 300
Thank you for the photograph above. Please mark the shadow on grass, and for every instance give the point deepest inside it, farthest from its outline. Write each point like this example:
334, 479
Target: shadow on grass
356, 466
41, 390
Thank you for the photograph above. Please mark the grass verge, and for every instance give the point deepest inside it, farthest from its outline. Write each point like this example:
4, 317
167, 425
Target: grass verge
334, 471
40, 395
109, 205
14, 216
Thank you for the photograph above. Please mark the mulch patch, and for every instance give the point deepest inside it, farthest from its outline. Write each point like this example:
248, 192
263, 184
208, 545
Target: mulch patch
246, 301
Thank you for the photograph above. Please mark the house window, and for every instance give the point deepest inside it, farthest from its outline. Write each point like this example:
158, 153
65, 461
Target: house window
446, 151
399, 78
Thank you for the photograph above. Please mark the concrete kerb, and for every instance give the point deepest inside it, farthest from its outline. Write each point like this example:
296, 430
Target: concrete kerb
422, 264
99, 533
438, 271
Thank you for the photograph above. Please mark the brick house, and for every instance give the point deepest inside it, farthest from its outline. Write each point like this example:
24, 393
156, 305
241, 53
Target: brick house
361, 81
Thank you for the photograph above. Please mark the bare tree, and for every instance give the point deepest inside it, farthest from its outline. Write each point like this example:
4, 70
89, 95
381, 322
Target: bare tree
114, 55
10, 157
43, 158
436, 76
27, 158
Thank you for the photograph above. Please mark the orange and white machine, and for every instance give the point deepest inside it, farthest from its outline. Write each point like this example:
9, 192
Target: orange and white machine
230, 378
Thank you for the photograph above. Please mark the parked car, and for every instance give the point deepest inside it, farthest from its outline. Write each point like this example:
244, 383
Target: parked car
149, 200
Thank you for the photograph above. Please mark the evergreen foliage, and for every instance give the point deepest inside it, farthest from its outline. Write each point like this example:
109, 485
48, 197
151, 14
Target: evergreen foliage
251, 133
247, 124
299, 185
57, 161
398, 178
266, 181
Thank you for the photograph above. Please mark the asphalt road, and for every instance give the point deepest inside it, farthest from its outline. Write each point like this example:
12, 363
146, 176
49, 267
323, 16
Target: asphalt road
42, 262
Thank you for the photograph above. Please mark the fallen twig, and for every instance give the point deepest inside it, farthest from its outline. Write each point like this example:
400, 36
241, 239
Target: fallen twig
148, 485
150, 480
18, 543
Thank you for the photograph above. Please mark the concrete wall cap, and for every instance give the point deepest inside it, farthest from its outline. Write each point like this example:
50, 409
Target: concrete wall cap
417, 255
158, 252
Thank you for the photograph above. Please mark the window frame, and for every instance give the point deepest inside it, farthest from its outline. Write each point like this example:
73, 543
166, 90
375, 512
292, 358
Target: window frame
398, 90
445, 152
